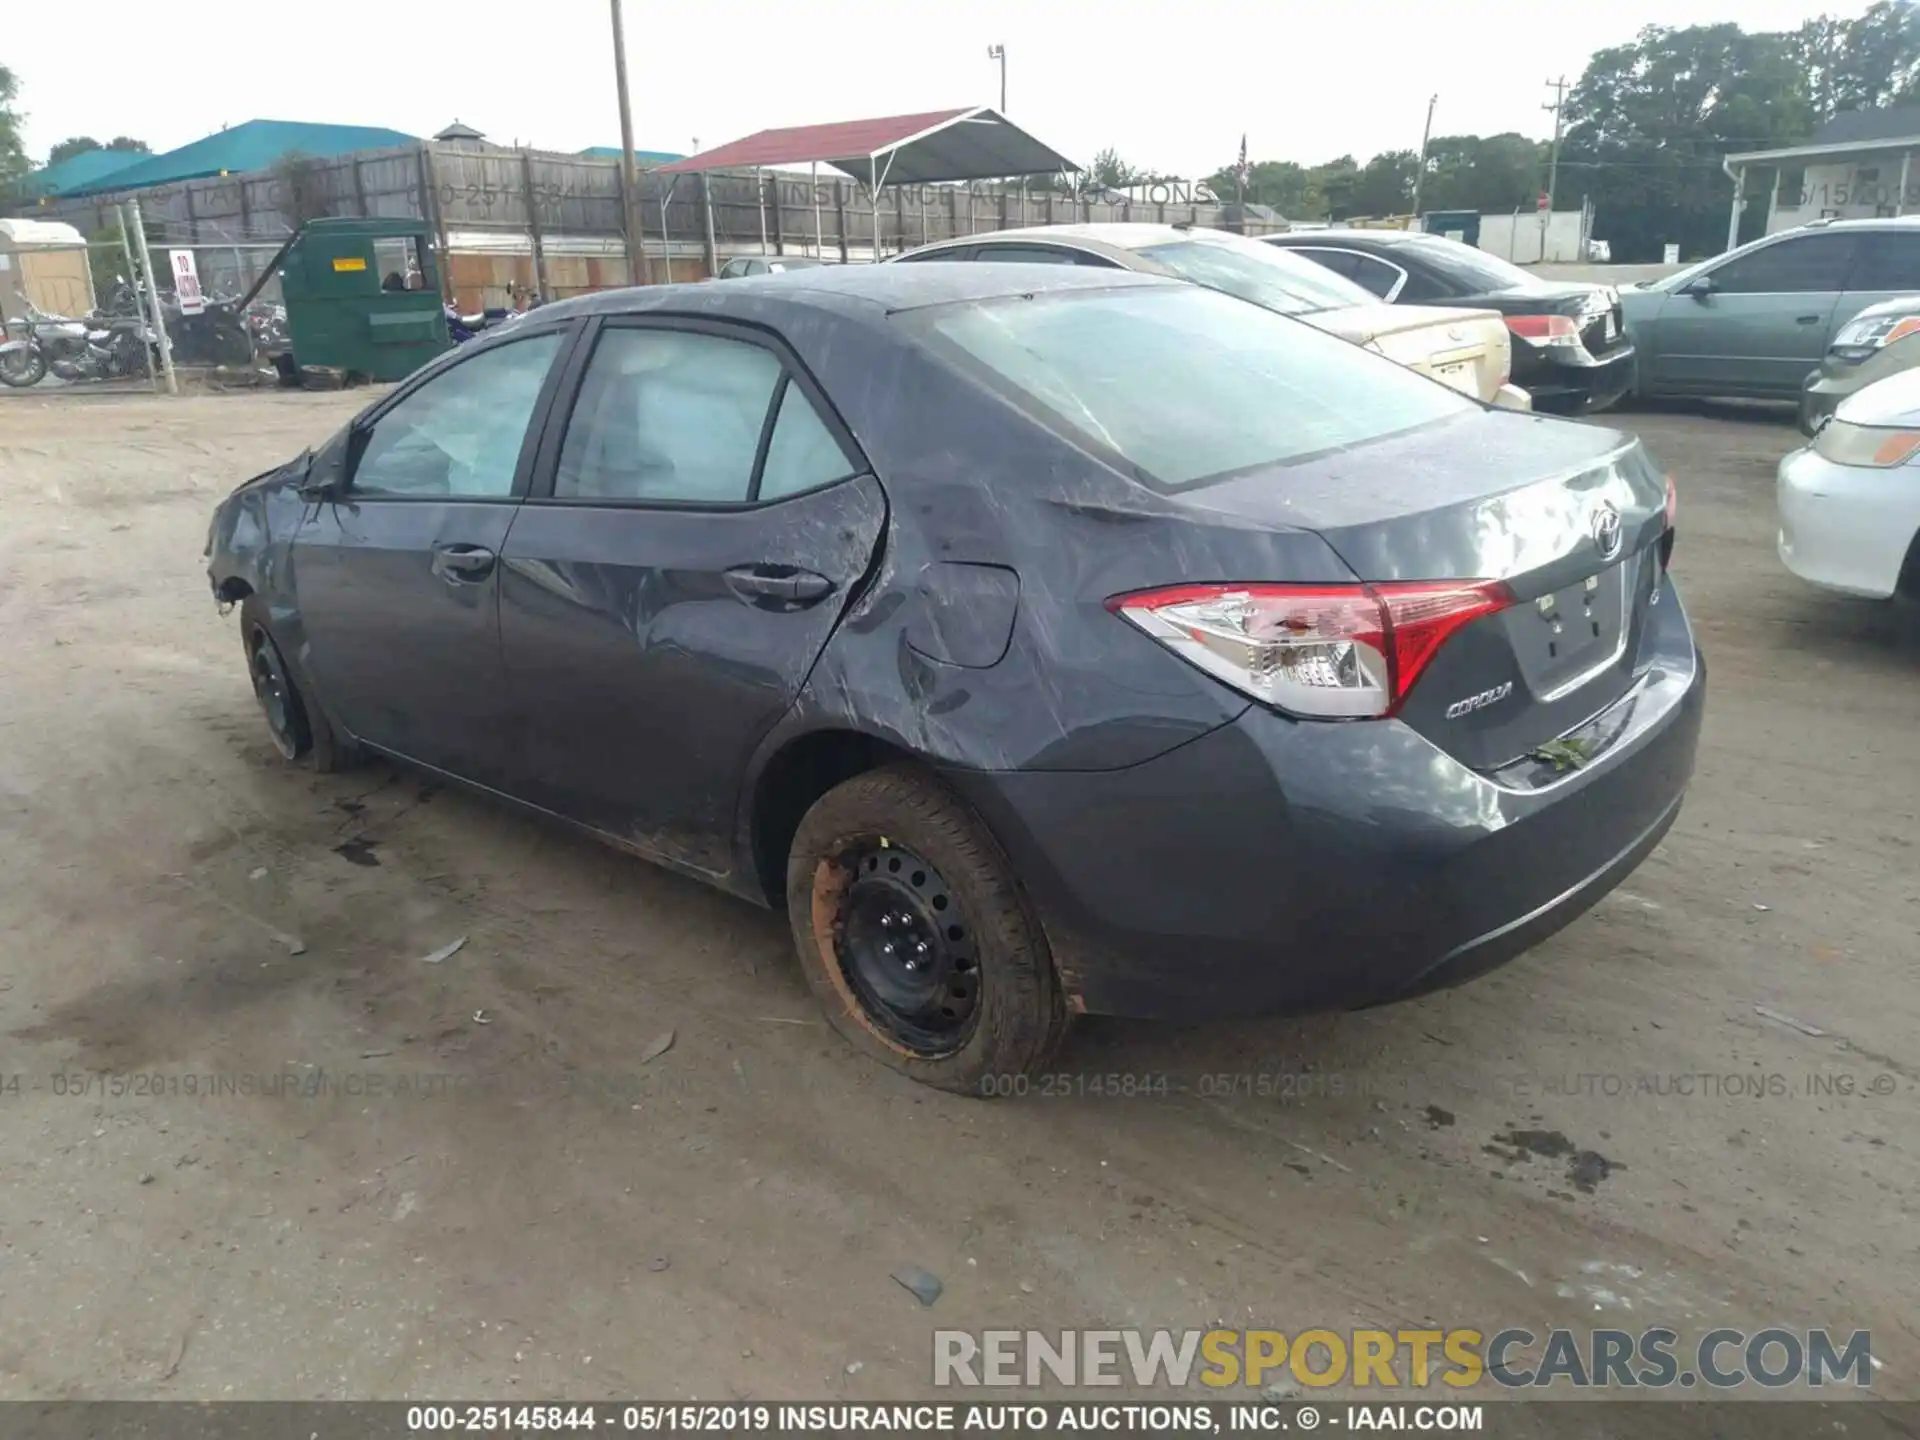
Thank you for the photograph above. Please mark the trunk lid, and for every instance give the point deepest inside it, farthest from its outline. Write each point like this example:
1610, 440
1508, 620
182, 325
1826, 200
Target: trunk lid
1468, 350
1568, 516
1595, 309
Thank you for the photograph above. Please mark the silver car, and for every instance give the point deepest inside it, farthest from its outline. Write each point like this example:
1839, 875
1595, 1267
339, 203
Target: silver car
1755, 321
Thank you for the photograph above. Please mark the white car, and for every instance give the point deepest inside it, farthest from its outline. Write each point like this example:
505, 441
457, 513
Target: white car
1850, 500
1469, 350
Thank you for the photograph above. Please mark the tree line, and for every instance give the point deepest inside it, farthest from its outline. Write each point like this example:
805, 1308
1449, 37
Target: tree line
1646, 128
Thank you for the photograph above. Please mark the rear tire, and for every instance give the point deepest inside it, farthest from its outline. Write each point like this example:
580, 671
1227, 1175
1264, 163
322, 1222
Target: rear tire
298, 728
916, 937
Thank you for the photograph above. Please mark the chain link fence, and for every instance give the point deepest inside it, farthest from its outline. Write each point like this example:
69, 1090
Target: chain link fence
508, 225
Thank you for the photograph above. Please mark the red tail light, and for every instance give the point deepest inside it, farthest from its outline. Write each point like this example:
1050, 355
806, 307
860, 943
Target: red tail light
1327, 652
1545, 329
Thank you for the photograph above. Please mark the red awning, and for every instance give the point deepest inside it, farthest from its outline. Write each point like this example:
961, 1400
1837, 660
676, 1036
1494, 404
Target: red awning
925, 149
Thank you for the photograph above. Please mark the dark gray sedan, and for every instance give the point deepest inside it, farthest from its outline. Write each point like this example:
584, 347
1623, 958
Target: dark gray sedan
1042, 640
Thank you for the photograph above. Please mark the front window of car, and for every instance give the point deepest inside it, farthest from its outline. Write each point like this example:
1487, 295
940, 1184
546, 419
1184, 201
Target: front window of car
1472, 271
1286, 284
1179, 385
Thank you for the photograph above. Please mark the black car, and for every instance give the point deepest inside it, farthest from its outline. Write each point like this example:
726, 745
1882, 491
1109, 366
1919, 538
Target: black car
1570, 345
1041, 639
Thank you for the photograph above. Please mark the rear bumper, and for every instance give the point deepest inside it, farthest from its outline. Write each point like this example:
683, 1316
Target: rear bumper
1572, 380
1275, 866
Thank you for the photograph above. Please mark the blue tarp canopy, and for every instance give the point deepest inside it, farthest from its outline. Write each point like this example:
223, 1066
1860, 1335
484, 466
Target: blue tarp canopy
254, 145
80, 172
645, 159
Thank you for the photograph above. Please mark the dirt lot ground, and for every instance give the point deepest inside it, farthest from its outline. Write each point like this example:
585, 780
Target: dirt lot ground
536, 1211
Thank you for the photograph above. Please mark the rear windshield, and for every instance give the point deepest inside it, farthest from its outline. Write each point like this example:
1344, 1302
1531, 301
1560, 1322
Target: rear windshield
1290, 284
1181, 385
1471, 269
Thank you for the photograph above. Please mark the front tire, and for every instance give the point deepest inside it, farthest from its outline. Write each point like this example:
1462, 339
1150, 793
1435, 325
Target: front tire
23, 368
916, 937
298, 728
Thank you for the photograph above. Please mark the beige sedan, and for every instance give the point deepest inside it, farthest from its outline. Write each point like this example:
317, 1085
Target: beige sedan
1469, 350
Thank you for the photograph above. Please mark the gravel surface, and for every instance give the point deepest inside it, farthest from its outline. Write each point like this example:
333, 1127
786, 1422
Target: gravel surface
260, 1138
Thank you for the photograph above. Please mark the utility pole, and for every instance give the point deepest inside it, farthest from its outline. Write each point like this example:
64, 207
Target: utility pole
133, 275
638, 271
999, 52
1420, 170
1558, 107
153, 294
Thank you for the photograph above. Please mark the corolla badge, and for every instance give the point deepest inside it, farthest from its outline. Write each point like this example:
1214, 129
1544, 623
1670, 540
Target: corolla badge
1608, 531
1480, 701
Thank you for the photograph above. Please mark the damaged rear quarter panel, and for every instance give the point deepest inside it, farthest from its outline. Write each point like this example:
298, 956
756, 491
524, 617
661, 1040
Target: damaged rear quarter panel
971, 482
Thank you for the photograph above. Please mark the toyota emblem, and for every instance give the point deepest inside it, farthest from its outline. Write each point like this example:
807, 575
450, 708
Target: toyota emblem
1607, 530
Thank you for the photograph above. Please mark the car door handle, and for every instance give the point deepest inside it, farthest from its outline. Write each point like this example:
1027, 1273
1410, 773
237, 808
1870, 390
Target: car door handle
457, 564
778, 582
1806, 319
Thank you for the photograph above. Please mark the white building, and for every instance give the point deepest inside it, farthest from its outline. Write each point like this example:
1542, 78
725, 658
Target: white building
1858, 166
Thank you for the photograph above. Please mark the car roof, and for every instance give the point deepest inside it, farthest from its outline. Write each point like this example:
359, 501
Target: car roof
852, 288
1871, 222
1114, 234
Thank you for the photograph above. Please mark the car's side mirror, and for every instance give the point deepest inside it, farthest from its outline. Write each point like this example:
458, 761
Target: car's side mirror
1699, 288
319, 482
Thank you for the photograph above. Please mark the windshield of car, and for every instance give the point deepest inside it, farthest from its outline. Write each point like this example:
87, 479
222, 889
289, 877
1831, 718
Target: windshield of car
1179, 384
1288, 284
1472, 269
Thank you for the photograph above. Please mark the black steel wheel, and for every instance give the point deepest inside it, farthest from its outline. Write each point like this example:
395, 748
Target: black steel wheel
905, 947
917, 938
279, 701
299, 728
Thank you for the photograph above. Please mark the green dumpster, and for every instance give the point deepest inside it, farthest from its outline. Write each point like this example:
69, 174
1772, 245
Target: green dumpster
363, 297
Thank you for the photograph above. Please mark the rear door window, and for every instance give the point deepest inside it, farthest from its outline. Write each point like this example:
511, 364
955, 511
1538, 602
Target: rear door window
1341, 262
1181, 384
667, 416
802, 454
683, 417
1377, 277
1806, 264
1886, 261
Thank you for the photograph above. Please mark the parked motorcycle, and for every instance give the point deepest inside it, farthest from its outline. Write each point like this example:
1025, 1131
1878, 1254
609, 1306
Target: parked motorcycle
267, 324
97, 347
465, 327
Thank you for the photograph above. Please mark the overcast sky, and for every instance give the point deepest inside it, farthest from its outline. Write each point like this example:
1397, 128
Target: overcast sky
1171, 85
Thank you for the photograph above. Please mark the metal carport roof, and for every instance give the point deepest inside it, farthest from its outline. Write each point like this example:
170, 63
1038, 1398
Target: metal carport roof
924, 149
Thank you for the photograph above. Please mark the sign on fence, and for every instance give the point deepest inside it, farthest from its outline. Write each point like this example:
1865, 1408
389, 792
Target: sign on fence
186, 283
1670, 255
